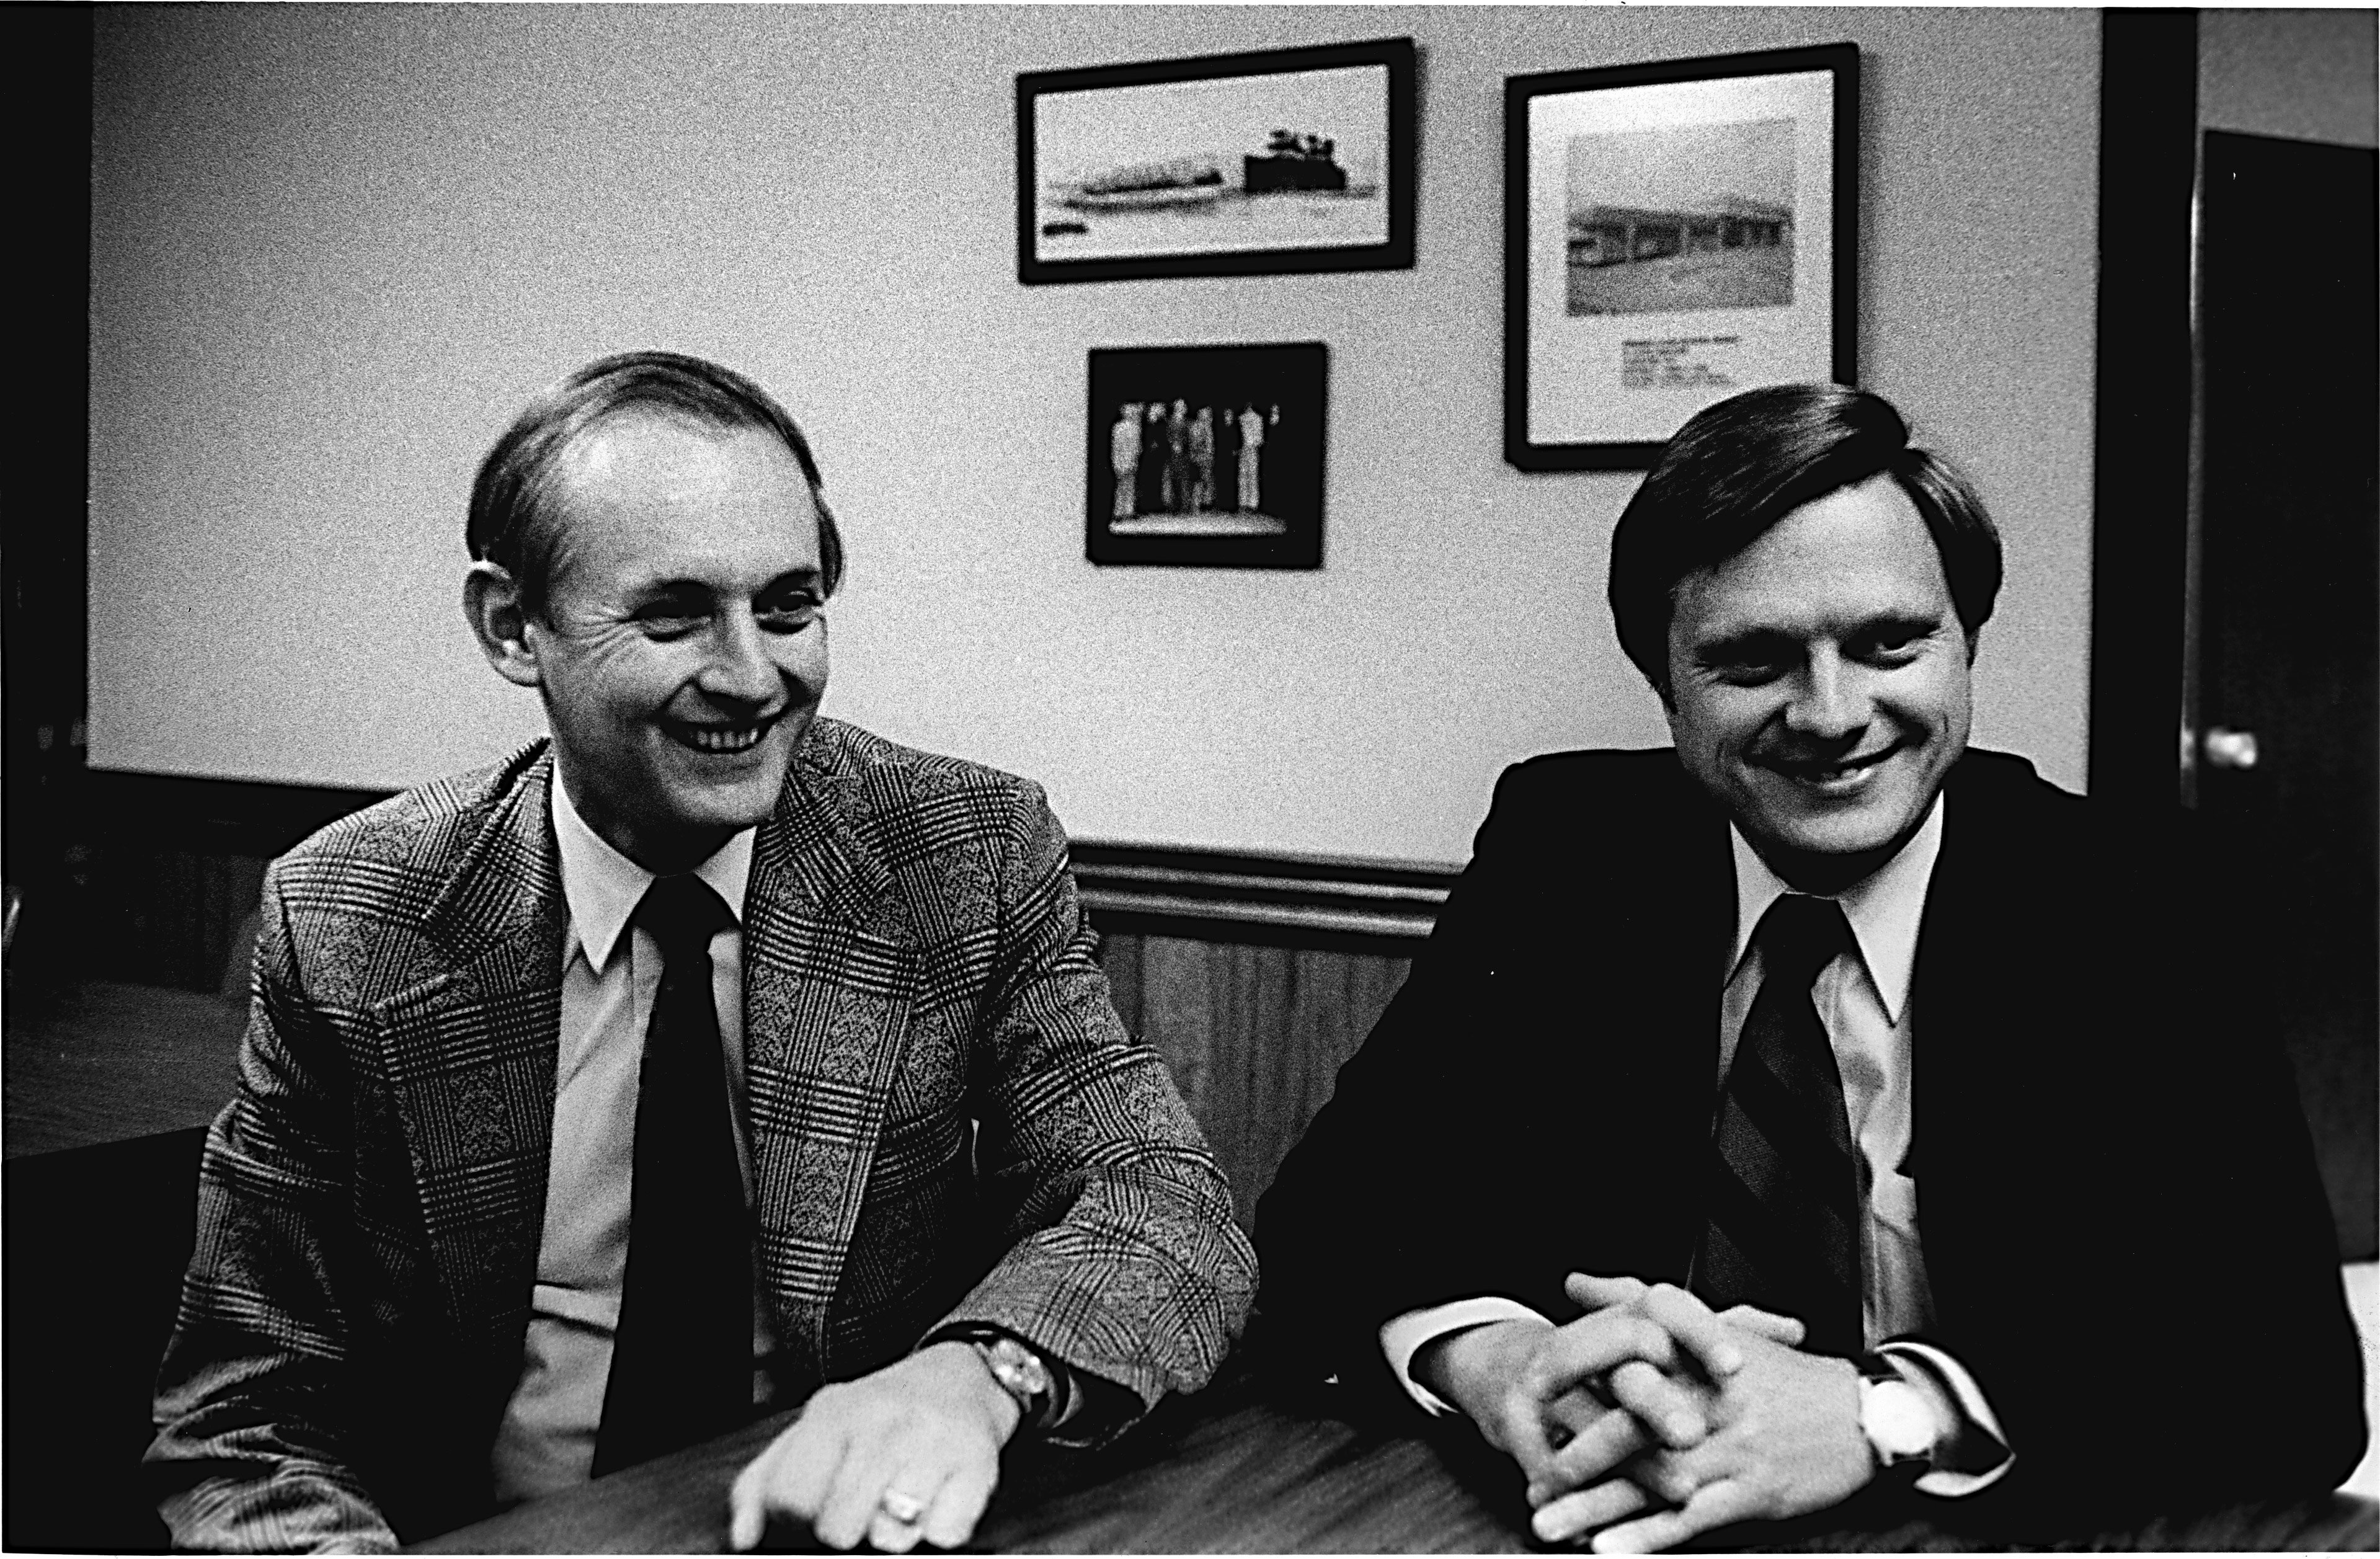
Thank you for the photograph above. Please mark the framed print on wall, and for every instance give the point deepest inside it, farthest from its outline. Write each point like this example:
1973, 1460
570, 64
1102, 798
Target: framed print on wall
1673, 233
1224, 166
1207, 456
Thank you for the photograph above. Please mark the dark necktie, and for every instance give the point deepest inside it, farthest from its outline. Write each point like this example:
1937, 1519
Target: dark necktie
682, 1357
1782, 1219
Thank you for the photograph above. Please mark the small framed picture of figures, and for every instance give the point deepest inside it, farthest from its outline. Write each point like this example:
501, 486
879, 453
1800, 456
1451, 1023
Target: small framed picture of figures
1207, 457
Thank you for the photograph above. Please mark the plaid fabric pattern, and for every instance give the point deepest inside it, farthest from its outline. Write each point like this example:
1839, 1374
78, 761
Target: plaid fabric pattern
949, 1123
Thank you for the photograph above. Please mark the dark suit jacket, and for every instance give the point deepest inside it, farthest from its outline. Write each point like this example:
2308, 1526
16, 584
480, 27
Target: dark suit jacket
2125, 1236
915, 961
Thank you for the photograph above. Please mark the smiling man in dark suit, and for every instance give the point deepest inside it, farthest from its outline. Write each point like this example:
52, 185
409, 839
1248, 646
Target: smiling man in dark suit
1822, 1103
708, 1057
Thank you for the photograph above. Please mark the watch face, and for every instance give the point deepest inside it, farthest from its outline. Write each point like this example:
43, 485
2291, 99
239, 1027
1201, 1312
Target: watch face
1019, 1371
1025, 1362
1897, 1419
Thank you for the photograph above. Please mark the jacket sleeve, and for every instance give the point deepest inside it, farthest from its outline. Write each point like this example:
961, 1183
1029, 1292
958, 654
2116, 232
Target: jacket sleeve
2125, 1237
2212, 1230
250, 1451
1122, 1258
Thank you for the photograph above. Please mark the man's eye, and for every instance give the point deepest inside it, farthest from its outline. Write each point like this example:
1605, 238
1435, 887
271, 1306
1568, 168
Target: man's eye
788, 614
1746, 665
1748, 673
668, 619
1897, 647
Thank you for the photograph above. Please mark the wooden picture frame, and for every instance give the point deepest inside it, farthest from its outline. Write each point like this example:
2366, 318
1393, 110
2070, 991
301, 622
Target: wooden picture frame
1673, 233
1207, 457
1288, 160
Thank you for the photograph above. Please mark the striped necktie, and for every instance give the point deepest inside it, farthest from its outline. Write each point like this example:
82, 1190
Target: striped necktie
682, 1355
1781, 1213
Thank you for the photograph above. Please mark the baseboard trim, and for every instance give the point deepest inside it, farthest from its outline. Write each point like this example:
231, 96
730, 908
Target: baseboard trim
1379, 906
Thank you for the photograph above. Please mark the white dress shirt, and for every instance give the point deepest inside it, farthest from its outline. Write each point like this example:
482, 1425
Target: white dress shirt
611, 970
1862, 998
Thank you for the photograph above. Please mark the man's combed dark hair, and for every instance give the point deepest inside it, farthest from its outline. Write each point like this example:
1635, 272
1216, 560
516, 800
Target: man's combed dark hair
514, 522
1738, 468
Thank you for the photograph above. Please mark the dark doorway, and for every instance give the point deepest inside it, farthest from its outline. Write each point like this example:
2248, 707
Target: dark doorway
2288, 715
45, 63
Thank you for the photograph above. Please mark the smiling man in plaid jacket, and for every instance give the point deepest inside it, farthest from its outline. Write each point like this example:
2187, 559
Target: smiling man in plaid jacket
706, 1058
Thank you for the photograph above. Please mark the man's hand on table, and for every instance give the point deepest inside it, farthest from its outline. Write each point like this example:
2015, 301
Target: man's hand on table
920, 1437
1571, 1403
1783, 1438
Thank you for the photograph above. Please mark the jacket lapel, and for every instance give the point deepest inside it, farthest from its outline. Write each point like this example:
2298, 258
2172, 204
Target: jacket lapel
1679, 937
1638, 906
830, 969
469, 1053
1992, 1031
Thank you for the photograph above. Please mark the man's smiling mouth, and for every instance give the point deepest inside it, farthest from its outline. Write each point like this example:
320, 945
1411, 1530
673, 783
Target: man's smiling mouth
729, 740
1839, 772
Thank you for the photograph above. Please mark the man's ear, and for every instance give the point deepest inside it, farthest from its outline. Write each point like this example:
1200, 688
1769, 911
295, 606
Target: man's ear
491, 605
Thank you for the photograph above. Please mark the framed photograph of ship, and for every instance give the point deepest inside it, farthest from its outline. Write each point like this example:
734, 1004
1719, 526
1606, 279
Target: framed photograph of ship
1673, 233
1208, 456
1224, 166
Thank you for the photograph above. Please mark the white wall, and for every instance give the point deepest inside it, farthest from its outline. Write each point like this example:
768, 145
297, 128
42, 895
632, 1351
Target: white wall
335, 249
2305, 75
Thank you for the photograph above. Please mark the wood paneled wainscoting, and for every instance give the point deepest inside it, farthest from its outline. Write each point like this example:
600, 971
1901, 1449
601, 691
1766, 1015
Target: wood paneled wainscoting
1254, 977
159, 877
1255, 1035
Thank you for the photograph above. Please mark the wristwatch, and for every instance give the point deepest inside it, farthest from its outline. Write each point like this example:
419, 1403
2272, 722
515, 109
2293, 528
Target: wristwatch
1020, 1371
1897, 1419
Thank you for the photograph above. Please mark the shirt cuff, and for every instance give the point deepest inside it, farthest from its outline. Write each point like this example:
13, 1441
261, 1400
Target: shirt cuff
1973, 1453
1402, 1337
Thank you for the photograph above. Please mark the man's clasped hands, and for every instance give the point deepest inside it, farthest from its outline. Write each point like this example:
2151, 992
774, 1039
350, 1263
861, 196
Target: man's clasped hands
1650, 1418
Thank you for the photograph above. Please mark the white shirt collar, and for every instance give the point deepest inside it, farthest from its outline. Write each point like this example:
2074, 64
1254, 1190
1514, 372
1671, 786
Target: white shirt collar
1884, 908
603, 887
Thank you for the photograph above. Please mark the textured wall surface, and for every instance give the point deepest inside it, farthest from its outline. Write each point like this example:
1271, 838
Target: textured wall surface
334, 249
2305, 75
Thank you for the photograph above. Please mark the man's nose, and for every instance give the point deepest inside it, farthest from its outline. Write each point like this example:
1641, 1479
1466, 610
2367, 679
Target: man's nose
1831, 700
740, 668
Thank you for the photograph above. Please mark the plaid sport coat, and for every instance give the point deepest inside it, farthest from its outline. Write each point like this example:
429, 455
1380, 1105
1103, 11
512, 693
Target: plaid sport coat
948, 1123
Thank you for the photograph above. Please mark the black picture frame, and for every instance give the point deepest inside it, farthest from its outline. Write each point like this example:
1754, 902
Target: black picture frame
1639, 286
1208, 456
1133, 171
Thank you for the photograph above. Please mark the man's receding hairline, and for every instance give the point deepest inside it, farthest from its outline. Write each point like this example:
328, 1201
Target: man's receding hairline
568, 462
566, 467
568, 448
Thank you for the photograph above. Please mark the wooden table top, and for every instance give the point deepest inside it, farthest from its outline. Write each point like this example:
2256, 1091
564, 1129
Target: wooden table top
1240, 1469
